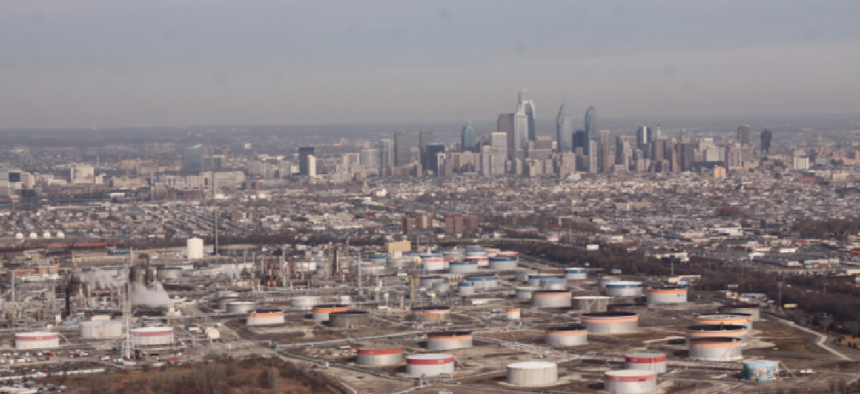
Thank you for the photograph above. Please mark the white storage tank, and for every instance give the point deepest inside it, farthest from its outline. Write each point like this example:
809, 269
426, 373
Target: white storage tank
380, 355
431, 313
575, 335
655, 362
629, 381
603, 280
553, 284
715, 349
322, 312
37, 340
441, 288
523, 274
463, 267
624, 289
428, 281
466, 288
101, 329
513, 313
152, 336
717, 331
747, 309
483, 282
241, 306
195, 248
500, 263
610, 322
525, 293
551, 298
449, 340
535, 279
532, 373
433, 263
737, 319
666, 295
591, 304
304, 303
265, 317
575, 273
429, 365
482, 261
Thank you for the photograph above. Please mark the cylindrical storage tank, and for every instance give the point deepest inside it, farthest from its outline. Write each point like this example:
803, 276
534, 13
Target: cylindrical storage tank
523, 274
241, 306
749, 309
456, 255
348, 319
168, 273
378, 259
655, 362
715, 349
534, 279
152, 336
575, 273
483, 282
414, 258
507, 254
431, 313
532, 373
322, 312
264, 317
718, 331
37, 340
624, 289
666, 295
602, 281
513, 313
503, 263
525, 293
428, 281
101, 329
481, 261
449, 340
739, 319
551, 298
639, 309
761, 370
610, 322
629, 381
223, 301
429, 365
476, 253
441, 288
397, 262
591, 304
553, 284
194, 248
304, 303
466, 288
463, 267
474, 248
566, 336
492, 251
433, 263
379, 355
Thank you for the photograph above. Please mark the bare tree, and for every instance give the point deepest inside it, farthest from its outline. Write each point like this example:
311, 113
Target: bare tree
208, 378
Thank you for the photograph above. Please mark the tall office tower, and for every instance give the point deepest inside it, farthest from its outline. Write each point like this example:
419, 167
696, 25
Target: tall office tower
467, 138
592, 158
623, 150
578, 140
521, 130
192, 160
505, 125
499, 142
734, 157
654, 134
683, 137
401, 148
687, 156
564, 130
766, 139
386, 156
424, 138
369, 158
431, 153
604, 138
744, 135
590, 129
312, 166
304, 161
643, 137
658, 149
528, 105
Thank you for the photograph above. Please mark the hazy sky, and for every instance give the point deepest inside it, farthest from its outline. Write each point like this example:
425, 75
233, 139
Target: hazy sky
106, 63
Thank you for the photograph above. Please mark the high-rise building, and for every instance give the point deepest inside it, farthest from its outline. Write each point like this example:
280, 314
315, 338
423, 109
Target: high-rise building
431, 154
744, 135
305, 153
407, 225
369, 159
592, 158
528, 105
654, 134
425, 138
579, 140
505, 125
386, 156
402, 150
623, 150
564, 130
643, 137
521, 129
312, 166
424, 222
766, 140
467, 138
192, 160
453, 224
590, 129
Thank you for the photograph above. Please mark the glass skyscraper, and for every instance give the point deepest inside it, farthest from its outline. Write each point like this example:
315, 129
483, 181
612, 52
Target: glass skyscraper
467, 138
590, 128
192, 160
521, 129
528, 105
564, 130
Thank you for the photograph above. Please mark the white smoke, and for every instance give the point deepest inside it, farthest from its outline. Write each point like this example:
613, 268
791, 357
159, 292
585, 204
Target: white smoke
152, 298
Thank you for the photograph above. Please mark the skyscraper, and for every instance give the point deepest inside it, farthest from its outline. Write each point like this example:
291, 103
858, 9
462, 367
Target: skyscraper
431, 154
590, 129
744, 135
401, 148
579, 140
386, 156
467, 138
528, 105
305, 154
643, 137
192, 160
521, 130
564, 130
766, 139
506, 125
